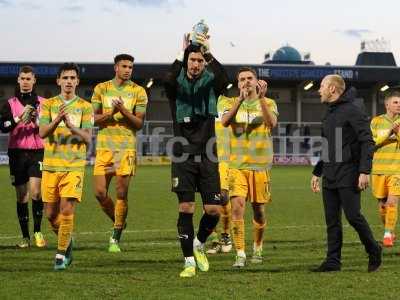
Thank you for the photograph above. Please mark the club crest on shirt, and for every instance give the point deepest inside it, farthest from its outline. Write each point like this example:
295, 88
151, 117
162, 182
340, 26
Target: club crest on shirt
78, 184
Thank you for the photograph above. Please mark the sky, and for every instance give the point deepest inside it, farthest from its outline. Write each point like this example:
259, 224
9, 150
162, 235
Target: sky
241, 32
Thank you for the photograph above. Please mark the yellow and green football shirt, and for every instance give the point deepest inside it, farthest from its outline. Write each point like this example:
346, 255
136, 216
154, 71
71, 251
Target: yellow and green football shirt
118, 134
386, 159
221, 132
250, 139
64, 151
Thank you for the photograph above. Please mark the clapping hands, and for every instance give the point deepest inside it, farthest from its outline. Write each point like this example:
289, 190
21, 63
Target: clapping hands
396, 128
262, 87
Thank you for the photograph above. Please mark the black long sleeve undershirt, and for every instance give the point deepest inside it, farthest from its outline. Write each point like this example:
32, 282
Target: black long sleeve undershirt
7, 122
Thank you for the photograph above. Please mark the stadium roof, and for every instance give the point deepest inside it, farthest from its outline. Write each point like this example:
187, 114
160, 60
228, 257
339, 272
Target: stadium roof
285, 73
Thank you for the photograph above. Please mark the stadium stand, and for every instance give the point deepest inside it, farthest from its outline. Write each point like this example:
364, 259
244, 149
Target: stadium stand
287, 73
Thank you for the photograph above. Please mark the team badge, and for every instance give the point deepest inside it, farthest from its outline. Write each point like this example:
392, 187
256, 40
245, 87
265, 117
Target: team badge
78, 184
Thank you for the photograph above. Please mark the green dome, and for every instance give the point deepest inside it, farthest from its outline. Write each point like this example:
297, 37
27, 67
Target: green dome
286, 53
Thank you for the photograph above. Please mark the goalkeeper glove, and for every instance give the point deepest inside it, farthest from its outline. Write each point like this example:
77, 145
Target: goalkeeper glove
204, 42
27, 114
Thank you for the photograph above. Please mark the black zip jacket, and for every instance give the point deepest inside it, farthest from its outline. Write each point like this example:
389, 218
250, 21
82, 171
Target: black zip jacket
348, 146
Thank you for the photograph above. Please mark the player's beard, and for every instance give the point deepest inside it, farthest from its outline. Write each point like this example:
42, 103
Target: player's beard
195, 73
124, 77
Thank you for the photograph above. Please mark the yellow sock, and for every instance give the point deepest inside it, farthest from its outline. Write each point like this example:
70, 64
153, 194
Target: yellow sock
391, 217
121, 211
108, 207
238, 234
226, 218
65, 232
258, 234
382, 213
55, 224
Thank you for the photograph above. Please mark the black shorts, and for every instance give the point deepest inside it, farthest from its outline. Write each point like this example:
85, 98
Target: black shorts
196, 174
24, 164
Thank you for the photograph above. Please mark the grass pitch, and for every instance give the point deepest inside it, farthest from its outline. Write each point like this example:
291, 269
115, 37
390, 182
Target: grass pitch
150, 263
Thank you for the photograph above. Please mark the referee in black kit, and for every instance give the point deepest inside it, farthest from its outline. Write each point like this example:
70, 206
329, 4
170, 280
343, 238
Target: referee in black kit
345, 166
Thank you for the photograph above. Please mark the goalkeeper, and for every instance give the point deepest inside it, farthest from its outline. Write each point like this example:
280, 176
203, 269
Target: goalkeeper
25, 150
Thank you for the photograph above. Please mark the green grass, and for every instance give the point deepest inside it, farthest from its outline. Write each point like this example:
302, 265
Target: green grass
149, 265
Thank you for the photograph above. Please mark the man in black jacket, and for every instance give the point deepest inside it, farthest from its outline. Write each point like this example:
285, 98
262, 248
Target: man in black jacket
345, 166
193, 86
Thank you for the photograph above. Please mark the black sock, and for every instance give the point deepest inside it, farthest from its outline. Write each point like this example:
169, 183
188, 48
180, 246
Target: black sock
23, 217
207, 225
186, 233
37, 212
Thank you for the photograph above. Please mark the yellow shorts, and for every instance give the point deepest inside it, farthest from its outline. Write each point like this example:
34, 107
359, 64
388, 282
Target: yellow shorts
252, 185
385, 185
120, 163
57, 185
223, 168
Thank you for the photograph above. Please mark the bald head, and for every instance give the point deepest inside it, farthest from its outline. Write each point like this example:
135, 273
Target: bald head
337, 81
332, 87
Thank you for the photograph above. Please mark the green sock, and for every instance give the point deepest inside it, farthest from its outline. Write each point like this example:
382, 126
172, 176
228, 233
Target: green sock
117, 234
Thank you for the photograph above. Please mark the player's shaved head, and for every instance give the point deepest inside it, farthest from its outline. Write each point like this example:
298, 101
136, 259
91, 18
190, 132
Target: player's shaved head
392, 103
391, 95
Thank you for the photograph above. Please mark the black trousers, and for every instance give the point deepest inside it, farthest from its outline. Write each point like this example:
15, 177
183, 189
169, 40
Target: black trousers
348, 199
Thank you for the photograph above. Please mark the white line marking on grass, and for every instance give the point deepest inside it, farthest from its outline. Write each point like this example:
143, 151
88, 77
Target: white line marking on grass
126, 231
6, 237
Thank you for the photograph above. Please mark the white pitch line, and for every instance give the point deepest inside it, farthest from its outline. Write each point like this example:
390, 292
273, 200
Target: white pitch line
127, 231
6, 237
